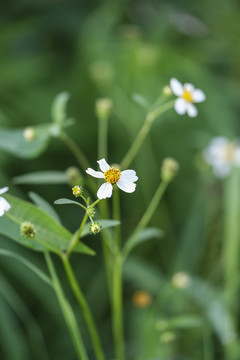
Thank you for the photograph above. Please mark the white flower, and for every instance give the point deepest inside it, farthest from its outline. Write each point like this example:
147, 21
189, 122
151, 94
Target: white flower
4, 205
187, 96
124, 179
222, 154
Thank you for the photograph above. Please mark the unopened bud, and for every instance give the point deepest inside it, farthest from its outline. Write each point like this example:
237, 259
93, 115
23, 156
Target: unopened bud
27, 229
181, 280
169, 169
95, 228
74, 175
90, 211
29, 133
103, 108
167, 90
77, 191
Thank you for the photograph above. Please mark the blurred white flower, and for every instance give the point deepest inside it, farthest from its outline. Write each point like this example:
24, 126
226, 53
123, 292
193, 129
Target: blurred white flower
124, 179
222, 154
181, 280
4, 205
187, 96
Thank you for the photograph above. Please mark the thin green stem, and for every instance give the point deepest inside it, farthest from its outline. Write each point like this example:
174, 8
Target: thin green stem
146, 217
76, 236
151, 116
102, 137
82, 160
67, 311
116, 216
85, 308
117, 308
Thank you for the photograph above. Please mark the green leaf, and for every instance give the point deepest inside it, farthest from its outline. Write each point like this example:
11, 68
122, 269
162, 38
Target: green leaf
49, 234
104, 224
13, 141
64, 201
42, 177
44, 205
180, 322
28, 264
142, 236
59, 107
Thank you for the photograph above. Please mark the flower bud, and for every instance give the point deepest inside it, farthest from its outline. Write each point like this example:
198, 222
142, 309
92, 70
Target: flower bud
95, 228
141, 299
74, 175
90, 211
103, 108
29, 133
167, 91
77, 191
169, 169
27, 229
181, 280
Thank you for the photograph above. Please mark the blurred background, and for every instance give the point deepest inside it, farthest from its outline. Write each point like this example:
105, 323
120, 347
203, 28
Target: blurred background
188, 307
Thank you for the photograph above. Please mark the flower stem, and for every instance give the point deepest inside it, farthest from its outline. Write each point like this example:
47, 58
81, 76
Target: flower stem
76, 236
116, 216
85, 308
117, 308
102, 137
67, 311
81, 158
151, 116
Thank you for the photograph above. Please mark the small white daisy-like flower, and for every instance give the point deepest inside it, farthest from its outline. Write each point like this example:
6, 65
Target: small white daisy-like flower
222, 154
187, 96
4, 205
124, 179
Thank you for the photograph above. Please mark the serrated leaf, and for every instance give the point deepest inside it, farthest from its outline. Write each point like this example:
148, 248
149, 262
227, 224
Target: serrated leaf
59, 107
44, 205
144, 235
49, 234
41, 178
13, 141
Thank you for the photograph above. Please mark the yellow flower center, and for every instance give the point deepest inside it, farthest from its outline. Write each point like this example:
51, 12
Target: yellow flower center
187, 95
112, 175
230, 151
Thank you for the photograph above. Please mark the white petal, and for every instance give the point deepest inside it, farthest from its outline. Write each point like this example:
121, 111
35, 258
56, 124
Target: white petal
189, 87
198, 96
129, 175
4, 206
126, 186
176, 87
222, 171
105, 191
96, 174
236, 157
3, 190
191, 110
180, 106
103, 165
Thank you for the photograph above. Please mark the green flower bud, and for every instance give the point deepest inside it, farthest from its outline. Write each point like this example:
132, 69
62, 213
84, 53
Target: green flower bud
103, 108
27, 229
90, 211
169, 169
29, 133
77, 190
167, 91
74, 175
95, 228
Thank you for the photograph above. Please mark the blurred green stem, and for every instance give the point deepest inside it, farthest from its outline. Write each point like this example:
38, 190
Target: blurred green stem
117, 216
82, 160
117, 308
77, 236
102, 137
146, 216
85, 308
151, 116
67, 311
